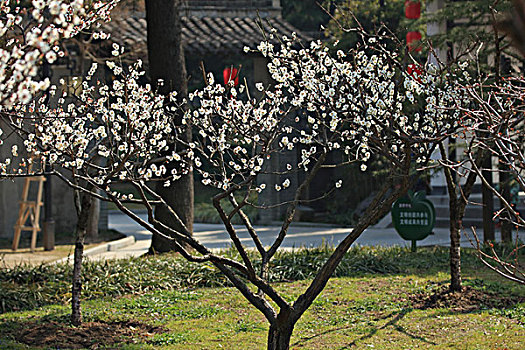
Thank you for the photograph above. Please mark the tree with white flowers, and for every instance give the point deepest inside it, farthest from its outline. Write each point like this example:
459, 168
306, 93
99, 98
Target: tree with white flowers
30, 34
355, 105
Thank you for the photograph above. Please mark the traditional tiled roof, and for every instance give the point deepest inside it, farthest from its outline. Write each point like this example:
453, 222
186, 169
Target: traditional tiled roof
230, 3
219, 35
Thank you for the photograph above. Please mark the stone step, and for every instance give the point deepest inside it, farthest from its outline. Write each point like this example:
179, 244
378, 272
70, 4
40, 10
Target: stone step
444, 222
470, 211
474, 199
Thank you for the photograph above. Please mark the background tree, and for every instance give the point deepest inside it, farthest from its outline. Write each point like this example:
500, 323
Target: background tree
472, 29
370, 15
306, 15
459, 195
167, 64
496, 116
469, 24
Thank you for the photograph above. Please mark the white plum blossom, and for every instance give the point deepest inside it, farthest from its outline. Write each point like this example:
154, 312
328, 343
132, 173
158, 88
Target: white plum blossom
47, 22
99, 123
364, 107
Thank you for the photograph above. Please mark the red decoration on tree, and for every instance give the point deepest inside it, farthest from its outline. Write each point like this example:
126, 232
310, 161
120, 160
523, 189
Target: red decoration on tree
413, 41
415, 71
229, 74
412, 9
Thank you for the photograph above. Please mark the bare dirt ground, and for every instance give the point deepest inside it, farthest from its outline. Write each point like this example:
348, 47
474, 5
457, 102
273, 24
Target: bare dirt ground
90, 335
467, 300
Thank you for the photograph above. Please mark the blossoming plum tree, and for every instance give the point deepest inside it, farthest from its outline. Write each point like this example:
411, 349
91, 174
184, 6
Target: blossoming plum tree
31, 33
355, 105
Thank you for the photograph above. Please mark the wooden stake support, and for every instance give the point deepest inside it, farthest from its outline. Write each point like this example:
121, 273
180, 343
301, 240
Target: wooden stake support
29, 210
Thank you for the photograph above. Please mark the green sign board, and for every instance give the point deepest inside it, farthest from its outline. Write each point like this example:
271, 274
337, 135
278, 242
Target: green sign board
414, 216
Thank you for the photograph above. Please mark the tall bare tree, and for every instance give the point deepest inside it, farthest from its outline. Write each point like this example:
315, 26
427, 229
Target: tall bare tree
167, 66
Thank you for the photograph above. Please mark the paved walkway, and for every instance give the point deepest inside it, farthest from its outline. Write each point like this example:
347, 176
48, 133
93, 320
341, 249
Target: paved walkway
215, 237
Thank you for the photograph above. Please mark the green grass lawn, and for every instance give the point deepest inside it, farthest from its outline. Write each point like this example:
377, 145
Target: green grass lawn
370, 305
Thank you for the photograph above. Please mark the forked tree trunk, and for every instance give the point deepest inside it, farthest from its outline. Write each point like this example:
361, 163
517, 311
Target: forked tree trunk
83, 203
457, 206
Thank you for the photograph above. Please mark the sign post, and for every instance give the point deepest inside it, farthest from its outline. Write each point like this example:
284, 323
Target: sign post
414, 217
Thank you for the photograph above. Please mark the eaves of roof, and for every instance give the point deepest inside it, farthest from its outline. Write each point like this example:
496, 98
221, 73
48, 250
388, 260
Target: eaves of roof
204, 35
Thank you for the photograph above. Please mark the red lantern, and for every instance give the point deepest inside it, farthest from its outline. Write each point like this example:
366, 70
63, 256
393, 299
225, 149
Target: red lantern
415, 71
412, 9
413, 41
229, 74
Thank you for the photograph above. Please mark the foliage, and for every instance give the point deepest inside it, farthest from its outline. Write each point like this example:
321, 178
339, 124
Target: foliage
370, 15
26, 287
306, 15
29, 287
471, 27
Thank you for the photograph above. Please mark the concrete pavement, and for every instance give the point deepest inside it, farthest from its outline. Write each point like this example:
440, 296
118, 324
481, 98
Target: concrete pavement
214, 236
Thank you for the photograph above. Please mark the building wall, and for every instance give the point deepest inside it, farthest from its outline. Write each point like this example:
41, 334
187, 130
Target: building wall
63, 207
10, 190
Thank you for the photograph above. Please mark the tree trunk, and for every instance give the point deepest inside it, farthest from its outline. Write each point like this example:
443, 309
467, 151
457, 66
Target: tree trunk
455, 215
488, 202
166, 62
94, 217
456, 212
280, 333
455, 252
506, 225
83, 204
179, 196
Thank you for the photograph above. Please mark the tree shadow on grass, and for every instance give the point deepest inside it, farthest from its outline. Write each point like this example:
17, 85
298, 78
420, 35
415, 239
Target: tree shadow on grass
470, 300
304, 340
393, 322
